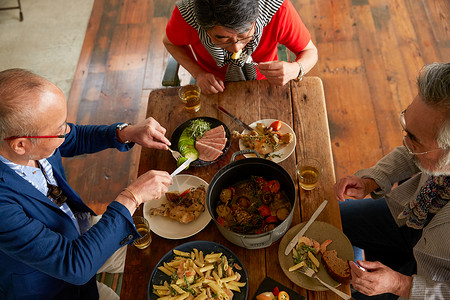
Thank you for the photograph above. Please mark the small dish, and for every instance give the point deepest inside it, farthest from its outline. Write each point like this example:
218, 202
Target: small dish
277, 156
214, 123
268, 284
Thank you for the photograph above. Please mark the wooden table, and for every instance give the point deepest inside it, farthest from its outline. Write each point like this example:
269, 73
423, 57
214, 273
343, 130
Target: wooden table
299, 104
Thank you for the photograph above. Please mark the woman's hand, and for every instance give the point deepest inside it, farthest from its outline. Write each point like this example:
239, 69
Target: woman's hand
354, 187
379, 279
279, 72
209, 83
148, 133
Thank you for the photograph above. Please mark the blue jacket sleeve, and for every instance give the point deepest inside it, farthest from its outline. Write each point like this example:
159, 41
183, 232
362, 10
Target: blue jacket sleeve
84, 139
72, 259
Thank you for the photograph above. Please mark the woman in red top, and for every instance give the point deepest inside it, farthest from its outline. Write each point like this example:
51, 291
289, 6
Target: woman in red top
234, 40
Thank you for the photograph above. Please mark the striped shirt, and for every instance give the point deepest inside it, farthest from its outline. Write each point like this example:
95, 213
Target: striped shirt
38, 180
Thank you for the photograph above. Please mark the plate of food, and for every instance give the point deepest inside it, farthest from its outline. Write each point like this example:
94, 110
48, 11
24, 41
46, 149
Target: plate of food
324, 248
199, 268
204, 139
182, 211
272, 139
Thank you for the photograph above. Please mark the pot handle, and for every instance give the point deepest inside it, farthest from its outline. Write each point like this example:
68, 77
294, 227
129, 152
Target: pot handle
253, 151
256, 242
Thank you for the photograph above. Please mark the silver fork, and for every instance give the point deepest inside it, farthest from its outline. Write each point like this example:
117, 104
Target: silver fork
177, 155
310, 273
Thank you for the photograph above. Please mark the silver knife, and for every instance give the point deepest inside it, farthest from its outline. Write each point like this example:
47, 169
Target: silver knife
234, 118
294, 241
182, 167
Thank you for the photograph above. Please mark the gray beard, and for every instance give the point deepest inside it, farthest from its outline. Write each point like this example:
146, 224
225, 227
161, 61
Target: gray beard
442, 167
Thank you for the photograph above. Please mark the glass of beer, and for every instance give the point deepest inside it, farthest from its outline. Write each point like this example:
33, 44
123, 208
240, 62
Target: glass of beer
190, 96
308, 171
143, 228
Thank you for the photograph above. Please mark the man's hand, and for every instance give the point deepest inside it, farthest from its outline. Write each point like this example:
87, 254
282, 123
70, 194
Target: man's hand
209, 83
279, 72
148, 133
379, 279
354, 187
150, 185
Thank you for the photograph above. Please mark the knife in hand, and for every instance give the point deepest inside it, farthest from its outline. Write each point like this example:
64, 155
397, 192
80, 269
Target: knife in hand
181, 168
294, 241
234, 118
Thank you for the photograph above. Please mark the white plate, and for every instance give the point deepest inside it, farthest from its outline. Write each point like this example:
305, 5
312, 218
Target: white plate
169, 228
284, 152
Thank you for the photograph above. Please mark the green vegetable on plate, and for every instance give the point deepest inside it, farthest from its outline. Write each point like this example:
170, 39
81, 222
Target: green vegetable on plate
186, 142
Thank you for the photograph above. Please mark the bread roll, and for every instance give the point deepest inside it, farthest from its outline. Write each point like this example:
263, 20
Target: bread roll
337, 268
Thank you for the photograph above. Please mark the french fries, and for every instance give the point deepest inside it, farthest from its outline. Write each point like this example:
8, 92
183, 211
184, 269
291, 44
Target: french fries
199, 275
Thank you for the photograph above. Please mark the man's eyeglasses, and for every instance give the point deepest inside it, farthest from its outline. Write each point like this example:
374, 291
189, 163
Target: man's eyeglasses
230, 42
59, 136
407, 138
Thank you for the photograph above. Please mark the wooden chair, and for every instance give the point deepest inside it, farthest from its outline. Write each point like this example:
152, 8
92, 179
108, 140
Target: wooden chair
19, 7
113, 280
171, 77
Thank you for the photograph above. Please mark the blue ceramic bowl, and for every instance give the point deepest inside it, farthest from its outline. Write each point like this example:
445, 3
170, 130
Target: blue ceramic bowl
158, 277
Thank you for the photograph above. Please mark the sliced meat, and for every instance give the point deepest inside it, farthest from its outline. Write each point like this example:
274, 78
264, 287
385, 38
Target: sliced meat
214, 140
207, 153
217, 132
211, 144
213, 135
218, 129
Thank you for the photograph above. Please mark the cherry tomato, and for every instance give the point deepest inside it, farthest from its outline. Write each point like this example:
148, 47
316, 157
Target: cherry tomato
185, 192
274, 186
283, 296
221, 220
264, 210
271, 219
276, 291
276, 125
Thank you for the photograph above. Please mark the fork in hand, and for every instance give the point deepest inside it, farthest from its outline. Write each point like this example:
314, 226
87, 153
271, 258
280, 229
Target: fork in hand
310, 273
177, 155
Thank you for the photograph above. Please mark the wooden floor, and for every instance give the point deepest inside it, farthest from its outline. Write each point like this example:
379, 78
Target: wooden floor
370, 52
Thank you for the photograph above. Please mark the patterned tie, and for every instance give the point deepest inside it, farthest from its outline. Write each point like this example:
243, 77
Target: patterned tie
431, 198
47, 168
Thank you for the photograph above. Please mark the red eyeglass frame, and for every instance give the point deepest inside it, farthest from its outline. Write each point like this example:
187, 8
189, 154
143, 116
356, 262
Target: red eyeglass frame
59, 136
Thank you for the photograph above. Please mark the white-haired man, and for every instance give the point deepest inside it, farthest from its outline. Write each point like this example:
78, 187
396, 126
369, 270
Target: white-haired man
405, 235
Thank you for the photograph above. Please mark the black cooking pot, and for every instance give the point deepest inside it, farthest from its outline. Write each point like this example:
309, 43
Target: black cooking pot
241, 170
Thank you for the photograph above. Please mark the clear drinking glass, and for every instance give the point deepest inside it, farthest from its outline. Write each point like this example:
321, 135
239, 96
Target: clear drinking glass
309, 171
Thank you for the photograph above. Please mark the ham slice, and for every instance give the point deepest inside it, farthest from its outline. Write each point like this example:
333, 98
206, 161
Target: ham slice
217, 129
216, 132
207, 153
214, 140
218, 146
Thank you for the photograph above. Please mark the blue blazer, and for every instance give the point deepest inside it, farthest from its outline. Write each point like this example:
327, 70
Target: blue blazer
42, 256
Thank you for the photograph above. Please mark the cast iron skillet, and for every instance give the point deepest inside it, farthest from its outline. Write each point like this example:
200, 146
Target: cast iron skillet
214, 123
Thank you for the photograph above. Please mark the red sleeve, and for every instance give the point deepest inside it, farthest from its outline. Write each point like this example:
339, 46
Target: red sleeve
176, 25
293, 33
285, 28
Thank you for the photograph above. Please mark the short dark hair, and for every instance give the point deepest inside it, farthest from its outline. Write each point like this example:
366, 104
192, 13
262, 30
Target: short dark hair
237, 15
